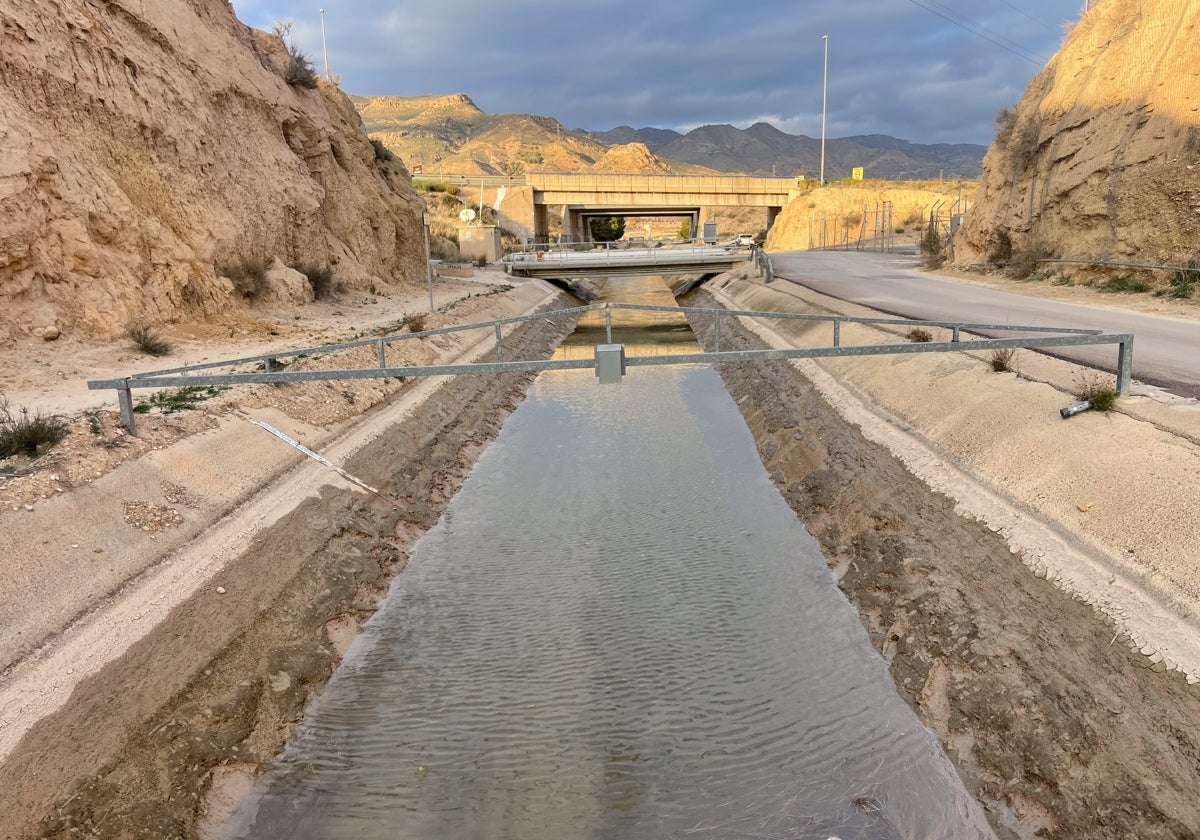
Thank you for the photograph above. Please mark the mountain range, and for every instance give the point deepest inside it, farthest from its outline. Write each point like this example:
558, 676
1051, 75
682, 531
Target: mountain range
451, 134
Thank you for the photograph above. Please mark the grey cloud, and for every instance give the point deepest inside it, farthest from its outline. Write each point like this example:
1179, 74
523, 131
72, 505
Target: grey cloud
893, 67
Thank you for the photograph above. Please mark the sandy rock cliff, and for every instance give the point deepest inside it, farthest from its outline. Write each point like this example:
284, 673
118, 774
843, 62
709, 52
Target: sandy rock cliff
1101, 157
145, 143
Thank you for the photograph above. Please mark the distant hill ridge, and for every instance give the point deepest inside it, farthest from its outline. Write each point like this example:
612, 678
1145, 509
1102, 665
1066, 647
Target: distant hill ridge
451, 133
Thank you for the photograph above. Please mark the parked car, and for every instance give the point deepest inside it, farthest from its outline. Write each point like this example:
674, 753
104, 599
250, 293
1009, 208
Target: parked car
745, 240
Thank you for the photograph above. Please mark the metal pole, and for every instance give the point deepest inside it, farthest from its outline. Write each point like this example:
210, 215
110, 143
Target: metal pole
607, 324
324, 47
499, 346
125, 401
428, 265
824, 99
1124, 366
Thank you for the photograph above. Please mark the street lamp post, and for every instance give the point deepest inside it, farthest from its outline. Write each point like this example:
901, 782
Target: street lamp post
824, 99
325, 47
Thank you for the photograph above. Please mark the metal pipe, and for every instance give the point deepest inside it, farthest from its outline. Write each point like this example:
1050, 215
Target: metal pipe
1074, 408
499, 345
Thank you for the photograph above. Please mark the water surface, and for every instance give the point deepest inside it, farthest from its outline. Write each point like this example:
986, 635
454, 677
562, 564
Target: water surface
617, 630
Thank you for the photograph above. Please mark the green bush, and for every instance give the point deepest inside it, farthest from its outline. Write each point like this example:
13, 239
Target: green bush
1182, 284
148, 341
1097, 390
1124, 283
28, 434
180, 399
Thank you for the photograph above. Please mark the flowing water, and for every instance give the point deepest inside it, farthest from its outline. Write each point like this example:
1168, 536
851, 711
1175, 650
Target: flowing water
617, 630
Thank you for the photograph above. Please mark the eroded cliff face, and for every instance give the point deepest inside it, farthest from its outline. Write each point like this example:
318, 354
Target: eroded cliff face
145, 143
1101, 157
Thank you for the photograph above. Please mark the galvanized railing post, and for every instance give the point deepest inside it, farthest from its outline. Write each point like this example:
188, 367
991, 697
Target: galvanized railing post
125, 401
382, 354
607, 324
837, 332
499, 346
717, 330
1124, 366
268, 364
954, 337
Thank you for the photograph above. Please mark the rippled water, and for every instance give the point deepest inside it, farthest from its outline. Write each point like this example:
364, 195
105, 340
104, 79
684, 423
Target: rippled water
617, 630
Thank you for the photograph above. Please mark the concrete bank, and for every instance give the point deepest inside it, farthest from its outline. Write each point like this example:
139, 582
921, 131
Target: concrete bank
1104, 504
106, 640
1055, 720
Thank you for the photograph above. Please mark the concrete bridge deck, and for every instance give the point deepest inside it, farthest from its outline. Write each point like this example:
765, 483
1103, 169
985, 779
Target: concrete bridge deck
613, 263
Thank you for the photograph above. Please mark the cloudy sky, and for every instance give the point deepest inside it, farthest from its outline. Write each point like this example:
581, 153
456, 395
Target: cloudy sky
928, 71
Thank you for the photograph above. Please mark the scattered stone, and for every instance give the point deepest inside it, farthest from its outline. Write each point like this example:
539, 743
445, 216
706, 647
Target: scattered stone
220, 590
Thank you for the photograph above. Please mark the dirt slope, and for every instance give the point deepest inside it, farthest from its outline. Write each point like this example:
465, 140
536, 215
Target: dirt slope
145, 144
1101, 157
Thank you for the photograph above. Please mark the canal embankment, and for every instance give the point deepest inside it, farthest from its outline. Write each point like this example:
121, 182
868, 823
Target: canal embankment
1053, 721
139, 700
1054, 716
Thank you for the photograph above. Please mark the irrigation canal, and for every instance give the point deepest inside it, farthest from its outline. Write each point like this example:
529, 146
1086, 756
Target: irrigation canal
617, 630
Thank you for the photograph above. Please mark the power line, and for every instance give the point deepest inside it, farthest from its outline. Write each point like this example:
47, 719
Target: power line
984, 33
1048, 27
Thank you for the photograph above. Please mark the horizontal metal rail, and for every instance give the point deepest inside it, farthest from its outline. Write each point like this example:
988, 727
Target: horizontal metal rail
195, 375
349, 345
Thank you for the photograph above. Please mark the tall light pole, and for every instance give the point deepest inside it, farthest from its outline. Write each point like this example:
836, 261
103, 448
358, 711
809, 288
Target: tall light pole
325, 47
824, 99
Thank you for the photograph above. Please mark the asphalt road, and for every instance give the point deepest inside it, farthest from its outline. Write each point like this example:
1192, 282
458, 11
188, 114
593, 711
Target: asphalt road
1166, 351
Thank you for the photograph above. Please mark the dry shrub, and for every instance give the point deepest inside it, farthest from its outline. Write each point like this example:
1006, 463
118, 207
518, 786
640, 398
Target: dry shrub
148, 341
919, 335
249, 277
1004, 358
28, 434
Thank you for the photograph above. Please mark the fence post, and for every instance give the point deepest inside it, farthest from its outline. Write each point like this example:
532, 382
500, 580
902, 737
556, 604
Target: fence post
382, 354
837, 332
125, 401
1124, 366
499, 346
717, 331
607, 324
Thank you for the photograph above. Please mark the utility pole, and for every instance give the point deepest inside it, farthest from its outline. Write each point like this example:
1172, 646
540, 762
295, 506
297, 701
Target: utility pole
824, 100
325, 48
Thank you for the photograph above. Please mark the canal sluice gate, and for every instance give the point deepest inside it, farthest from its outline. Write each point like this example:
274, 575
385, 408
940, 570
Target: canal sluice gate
618, 628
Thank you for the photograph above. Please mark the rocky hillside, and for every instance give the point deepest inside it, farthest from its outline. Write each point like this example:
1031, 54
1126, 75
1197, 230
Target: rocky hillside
451, 134
763, 149
148, 147
1101, 157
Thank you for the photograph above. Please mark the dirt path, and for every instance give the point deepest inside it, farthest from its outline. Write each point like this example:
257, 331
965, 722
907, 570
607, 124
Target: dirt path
1060, 728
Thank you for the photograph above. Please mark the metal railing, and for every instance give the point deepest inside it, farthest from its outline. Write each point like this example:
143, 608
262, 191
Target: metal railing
193, 375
